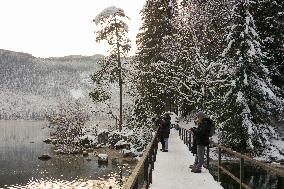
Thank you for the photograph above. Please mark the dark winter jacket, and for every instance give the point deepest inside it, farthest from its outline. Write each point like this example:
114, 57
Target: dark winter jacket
165, 127
202, 132
194, 146
158, 125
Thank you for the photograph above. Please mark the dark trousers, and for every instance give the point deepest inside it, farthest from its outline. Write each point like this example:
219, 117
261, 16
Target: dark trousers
162, 140
199, 158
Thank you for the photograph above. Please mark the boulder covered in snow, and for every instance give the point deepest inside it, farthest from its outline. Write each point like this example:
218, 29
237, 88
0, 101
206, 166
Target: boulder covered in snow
122, 145
129, 153
102, 158
115, 138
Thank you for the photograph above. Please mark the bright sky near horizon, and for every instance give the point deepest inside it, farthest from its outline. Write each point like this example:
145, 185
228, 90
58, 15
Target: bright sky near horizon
49, 28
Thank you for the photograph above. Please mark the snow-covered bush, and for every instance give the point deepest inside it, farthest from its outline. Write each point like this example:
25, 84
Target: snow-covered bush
67, 123
131, 140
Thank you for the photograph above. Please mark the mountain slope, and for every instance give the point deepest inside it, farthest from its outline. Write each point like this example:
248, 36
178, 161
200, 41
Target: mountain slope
29, 86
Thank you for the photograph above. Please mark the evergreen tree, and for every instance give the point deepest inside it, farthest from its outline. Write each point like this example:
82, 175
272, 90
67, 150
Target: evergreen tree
270, 23
156, 26
247, 101
189, 53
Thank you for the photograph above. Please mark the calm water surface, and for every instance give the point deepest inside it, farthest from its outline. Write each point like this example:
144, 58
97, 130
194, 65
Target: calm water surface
21, 142
255, 177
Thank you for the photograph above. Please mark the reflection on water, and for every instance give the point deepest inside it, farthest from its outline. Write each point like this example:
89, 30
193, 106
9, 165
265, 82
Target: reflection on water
64, 184
21, 144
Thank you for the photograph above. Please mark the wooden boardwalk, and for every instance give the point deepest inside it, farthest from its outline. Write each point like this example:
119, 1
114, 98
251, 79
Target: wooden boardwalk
172, 169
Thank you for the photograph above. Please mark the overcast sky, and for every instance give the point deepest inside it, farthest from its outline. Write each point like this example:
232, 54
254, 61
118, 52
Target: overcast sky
46, 28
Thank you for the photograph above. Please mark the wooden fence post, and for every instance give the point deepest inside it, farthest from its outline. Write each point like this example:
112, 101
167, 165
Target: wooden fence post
146, 169
219, 164
207, 157
136, 184
241, 171
185, 139
184, 136
189, 144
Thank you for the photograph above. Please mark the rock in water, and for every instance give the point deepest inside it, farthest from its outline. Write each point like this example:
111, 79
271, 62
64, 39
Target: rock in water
122, 146
44, 157
85, 153
47, 141
90, 150
103, 159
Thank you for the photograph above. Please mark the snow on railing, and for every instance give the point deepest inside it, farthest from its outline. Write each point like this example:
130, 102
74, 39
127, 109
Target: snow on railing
186, 136
141, 176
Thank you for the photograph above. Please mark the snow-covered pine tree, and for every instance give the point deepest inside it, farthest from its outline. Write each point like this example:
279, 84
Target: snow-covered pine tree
155, 27
247, 100
112, 27
271, 26
189, 53
209, 20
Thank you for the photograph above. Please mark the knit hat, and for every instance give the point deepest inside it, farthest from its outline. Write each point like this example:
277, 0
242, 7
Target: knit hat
200, 114
167, 115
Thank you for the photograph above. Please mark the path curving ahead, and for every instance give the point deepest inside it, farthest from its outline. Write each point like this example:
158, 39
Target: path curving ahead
172, 169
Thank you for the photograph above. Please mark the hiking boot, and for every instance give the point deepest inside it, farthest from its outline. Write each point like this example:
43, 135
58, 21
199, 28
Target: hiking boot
195, 170
192, 166
164, 150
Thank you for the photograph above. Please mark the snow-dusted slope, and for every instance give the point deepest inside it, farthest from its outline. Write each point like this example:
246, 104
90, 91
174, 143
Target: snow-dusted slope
29, 85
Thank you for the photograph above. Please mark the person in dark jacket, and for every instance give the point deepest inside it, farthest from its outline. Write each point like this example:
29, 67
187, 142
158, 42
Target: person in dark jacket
158, 125
201, 134
165, 131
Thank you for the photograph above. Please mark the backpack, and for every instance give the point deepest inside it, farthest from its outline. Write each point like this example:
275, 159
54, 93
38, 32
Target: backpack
212, 128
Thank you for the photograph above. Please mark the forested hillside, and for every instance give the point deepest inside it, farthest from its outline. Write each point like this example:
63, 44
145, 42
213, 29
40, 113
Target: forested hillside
30, 85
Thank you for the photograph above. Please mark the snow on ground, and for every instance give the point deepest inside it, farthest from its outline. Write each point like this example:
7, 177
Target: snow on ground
77, 93
172, 169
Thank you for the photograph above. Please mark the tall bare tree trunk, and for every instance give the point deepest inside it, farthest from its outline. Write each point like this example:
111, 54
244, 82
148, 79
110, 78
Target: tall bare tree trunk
120, 79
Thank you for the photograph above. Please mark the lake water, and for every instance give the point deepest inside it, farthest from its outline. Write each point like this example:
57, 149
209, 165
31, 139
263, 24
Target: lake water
21, 143
255, 177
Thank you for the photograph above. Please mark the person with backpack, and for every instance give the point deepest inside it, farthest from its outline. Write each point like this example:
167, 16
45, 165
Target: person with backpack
158, 120
165, 131
201, 133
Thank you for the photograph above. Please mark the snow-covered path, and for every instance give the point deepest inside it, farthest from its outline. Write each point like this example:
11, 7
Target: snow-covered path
172, 169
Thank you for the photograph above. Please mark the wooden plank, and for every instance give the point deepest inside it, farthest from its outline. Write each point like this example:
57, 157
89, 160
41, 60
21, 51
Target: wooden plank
219, 164
242, 171
265, 166
252, 161
234, 177
238, 155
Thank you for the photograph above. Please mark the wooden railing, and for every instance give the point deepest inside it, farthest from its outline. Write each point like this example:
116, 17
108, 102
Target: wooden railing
141, 176
186, 136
